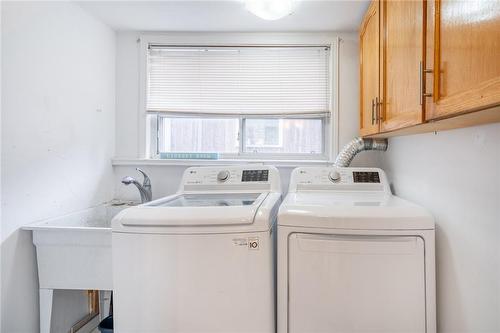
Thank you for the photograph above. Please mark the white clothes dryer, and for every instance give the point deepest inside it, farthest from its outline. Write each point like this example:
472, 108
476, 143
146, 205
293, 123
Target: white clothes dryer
352, 257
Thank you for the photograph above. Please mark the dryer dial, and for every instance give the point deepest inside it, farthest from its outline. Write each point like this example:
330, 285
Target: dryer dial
334, 176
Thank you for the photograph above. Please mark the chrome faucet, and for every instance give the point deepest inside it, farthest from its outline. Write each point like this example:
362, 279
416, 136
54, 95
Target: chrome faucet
144, 189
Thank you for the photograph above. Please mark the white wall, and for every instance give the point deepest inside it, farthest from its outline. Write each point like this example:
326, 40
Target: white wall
58, 88
166, 178
456, 175
0, 166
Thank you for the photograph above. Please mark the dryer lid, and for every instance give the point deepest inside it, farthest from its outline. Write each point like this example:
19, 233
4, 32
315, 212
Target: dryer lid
348, 210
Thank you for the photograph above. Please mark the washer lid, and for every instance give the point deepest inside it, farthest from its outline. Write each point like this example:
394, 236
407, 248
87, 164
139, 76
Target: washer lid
187, 213
352, 210
191, 210
207, 200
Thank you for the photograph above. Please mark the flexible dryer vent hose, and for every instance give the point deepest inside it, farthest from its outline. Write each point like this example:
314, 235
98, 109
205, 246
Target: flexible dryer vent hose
350, 150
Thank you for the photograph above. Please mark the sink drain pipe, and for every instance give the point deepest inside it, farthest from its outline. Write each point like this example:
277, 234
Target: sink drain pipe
350, 150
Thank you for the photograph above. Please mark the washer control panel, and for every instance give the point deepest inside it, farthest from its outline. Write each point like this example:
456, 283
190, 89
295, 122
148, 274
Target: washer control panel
341, 179
255, 176
248, 176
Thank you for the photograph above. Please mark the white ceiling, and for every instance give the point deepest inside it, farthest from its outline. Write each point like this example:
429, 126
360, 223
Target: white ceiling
229, 15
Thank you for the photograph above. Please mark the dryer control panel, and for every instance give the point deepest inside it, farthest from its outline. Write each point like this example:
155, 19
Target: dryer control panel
366, 176
239, 177
338, 179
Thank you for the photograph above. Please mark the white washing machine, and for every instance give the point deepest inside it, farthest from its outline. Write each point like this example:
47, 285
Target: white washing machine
352, 257
201, 260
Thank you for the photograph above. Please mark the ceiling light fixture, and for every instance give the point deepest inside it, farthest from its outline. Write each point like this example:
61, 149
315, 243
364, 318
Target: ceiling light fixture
270, 9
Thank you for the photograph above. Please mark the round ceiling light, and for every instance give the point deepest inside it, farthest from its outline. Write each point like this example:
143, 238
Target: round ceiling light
270, 9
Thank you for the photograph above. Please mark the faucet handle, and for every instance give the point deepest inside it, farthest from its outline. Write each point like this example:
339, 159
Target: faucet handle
146, 181
127, 180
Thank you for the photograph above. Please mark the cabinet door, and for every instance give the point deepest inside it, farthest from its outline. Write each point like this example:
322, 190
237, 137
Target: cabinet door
402, 53
463, 47
369, 69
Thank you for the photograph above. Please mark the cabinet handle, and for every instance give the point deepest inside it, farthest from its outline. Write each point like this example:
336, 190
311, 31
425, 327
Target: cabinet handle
421, 74
378, 104
373, 111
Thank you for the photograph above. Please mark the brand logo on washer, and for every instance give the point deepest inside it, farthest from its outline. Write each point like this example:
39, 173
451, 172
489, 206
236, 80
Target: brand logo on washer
240, 241
253, 243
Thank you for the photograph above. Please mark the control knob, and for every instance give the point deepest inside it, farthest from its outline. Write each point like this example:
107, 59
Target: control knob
223, 175
334, 176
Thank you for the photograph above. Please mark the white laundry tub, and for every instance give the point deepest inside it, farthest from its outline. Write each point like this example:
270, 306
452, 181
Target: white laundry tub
74, 251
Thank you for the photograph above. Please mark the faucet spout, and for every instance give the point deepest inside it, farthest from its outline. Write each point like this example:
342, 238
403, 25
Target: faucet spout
144, 189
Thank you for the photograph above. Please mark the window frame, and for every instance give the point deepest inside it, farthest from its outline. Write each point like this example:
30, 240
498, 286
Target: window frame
147, 141
242, 154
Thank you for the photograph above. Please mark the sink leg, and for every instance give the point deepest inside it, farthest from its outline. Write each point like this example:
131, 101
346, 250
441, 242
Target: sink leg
46, 296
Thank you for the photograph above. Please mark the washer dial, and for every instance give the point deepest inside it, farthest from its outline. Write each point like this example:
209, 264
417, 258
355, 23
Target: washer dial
223, 175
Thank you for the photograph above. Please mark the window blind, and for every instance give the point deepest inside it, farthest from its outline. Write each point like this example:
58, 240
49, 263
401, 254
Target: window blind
239, 81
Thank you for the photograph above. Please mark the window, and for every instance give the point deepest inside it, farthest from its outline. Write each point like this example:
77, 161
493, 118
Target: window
284, 136
222, 135
239, 102
198, 135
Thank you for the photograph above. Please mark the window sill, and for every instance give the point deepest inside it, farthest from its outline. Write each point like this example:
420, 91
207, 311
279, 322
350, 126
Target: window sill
188, 162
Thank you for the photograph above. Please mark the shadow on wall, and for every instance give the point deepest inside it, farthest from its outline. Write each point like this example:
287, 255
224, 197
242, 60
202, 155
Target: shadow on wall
19, 284
446, 276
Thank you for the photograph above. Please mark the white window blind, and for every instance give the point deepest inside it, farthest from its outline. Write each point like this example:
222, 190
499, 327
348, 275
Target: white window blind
239, 81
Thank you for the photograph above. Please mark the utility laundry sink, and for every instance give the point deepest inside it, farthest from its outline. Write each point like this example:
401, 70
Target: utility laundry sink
74, 252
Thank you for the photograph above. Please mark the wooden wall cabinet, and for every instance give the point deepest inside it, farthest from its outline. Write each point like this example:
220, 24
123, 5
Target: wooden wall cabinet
402, 56
463, 48
369, 42
436, 59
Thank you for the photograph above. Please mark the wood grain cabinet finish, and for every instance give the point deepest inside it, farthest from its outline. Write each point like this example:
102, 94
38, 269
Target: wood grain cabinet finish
463, 49
402, 55
369, 42
437, 64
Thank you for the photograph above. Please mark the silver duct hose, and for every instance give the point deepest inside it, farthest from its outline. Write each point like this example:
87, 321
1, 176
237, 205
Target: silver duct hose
350, 150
